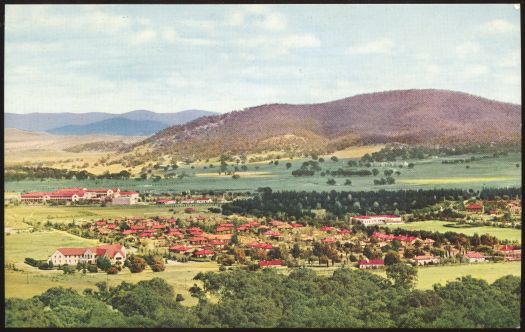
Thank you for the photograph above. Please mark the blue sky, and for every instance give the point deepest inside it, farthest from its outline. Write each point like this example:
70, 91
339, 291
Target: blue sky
167, 58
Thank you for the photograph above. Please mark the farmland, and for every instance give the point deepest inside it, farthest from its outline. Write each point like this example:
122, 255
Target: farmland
510, 234
428, 276
427, 173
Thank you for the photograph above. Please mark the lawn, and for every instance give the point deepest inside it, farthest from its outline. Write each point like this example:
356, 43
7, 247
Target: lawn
510, 234
33, 282
41, 213
428, 276
40, 245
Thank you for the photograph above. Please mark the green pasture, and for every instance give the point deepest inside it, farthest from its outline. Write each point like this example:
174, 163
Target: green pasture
32, 214
428, 276
428, 173
511, 234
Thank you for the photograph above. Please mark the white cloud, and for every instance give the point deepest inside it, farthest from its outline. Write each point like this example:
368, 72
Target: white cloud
497, 26
273, 22
200, 24
260, 16
382, 46
473, 71
511, 59
468, 48
144, 36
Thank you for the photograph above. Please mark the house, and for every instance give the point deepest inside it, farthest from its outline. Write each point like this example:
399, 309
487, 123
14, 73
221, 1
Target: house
258, 245
114, 252
327, 228
328, 240
514, 208
126, 198
474, 257
426, 259
203, 200
383, 237
271, 263
344, 231
382, 219
510, 253
474, 208
204, 253
179, 249
198, 240
371, 264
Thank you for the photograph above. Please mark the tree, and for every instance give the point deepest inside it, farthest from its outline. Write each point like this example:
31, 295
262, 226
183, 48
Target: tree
103, 263
296, 250
288, 165
403, 275
334, 159
331, 182
392, 258
136, 264
179, 298
348, 182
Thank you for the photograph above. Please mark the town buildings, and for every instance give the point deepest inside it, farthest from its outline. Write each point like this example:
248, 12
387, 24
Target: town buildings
383, 219
72, 256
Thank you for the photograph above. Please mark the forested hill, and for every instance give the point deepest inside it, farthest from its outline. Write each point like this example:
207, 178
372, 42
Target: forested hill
406, 116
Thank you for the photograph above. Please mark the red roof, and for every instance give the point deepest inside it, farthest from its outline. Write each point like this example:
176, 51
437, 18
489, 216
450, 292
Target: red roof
372, 262
507, 248
129, 231
297, 225
112, 226
327, 228
34, 195
381, 236
377, 216
282, 226
275, 262
198, 239
328, 240
179, 248
344, 231
204, 252
217, 242
474, 206
159, 226
222, 229
272, 233
125, 193
474, 254
258, 245
109, 250
225, 225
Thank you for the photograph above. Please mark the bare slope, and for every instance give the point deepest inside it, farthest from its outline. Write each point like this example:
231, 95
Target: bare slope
408, 116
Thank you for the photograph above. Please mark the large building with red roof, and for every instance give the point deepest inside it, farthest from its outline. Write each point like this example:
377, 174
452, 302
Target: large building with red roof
81, 194
72, 256
378, 219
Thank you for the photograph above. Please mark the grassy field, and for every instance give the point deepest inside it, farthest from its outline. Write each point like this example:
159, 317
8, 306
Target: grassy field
39, 213
511, 234
427, 174
428, 276
29, 283
40, 245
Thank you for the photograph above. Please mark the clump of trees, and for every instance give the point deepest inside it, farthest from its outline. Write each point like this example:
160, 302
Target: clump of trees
268, 299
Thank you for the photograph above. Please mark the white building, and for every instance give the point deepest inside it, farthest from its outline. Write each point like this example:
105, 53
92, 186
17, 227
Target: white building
378, 219
72, 256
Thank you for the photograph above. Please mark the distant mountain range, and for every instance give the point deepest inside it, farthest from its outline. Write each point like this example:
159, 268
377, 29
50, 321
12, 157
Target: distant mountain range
405, 116
135, 123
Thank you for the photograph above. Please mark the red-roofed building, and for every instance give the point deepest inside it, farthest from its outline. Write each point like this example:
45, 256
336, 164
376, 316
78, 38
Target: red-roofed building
258, 245
474, 257
223, 230
474, 208
380, 219
198, 240
271, 263
328, 240
295, 225
382, 237
426, 259
204, 253
272, 234
327, 228
129, 231
510, 253
371, 264
72, 256
179, 249
344, 231
284, 226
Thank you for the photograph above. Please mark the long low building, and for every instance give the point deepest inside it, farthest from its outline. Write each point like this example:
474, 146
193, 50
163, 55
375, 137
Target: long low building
81, 194
378, 219
72, 256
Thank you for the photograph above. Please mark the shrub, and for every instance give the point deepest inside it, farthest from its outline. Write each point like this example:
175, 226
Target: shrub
92, 268
112, 270
136, 264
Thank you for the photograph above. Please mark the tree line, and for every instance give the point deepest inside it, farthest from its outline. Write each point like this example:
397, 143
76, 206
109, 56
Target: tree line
269, 299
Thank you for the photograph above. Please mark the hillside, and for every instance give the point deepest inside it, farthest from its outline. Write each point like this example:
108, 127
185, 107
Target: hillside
406, 116
115, 126
50, 121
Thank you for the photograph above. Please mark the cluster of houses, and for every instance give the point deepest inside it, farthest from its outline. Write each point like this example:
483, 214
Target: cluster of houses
497, 207
70, 195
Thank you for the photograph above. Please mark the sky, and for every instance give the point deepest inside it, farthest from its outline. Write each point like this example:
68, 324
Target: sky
169, 58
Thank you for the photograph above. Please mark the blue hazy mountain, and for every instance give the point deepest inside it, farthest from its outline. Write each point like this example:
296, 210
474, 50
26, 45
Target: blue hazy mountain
55, 122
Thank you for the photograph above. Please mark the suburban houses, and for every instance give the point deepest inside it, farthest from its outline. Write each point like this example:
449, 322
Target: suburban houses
372, 220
